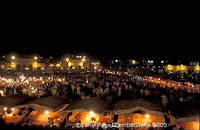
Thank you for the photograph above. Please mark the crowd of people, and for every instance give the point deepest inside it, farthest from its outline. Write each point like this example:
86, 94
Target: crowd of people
83, 85
110, 87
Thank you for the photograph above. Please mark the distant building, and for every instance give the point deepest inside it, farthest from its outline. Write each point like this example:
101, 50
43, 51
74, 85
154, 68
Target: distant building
21, 63
182, 68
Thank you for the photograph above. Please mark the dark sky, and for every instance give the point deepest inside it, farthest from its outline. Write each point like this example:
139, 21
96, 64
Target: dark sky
104, 38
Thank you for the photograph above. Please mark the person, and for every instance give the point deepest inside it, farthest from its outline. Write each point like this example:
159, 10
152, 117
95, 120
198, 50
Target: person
119, 91
172, 124
50, 121
164, 101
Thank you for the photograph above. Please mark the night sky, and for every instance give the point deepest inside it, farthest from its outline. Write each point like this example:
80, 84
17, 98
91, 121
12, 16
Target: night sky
99, 38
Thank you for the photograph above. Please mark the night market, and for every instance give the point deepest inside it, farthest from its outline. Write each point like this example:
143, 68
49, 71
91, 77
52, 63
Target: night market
79, 91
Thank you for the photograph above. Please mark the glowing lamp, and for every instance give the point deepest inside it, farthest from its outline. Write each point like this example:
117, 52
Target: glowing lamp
46, 112
5, 108
13, 57
12, 109
133, 62
83, 59
67, 59
91, 113
35, 58
147, 116
57, 65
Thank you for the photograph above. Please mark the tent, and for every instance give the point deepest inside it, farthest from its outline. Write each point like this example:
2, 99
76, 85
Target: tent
9, 110
51, 103
14, 100
46, 111
88, 111
138, 111
188, 116
129, 106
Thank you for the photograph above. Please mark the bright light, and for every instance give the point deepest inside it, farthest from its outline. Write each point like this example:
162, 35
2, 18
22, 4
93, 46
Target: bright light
81, 64
59, 80
13, 57
22, 77
58, 65
13, 65
1, 92
9, 115
133, 62
91, 113
35, 65
12, 109
70, 64
197, 68
83, 59
26, 68
147, 116
67, 59
170, 67
46, 112
35, 58
5, 108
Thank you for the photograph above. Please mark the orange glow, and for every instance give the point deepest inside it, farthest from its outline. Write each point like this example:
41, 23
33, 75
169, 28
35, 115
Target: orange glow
81, 64
140, 119
182, 68
197, 68
35, 65
190, 125
13, 65
169, 67
70, 64
5, 108
83, 60
67, 59
13, 57
58, 65
46, 112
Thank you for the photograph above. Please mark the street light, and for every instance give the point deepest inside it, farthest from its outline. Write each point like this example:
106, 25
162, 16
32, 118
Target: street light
35, 58
13, 57
46, 112
147, 116
67, 59
83, 59
5, 108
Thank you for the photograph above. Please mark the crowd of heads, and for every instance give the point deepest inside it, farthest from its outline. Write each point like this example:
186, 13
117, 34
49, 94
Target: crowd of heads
109, 86
81, 85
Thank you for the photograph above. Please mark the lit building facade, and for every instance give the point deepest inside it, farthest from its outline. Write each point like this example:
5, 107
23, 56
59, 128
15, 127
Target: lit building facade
20, 63
182, 68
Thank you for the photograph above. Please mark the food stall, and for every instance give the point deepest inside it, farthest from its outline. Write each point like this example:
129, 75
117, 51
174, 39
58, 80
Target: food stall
47, 111
138, 111
8, 109
89, 111
188, 117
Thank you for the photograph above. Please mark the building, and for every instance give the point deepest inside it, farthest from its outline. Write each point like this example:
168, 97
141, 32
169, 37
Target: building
23, 63
182, 68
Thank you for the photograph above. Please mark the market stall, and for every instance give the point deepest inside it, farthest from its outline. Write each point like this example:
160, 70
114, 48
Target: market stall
89, 111
46, 111
138, 111
10, 113
188, 117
